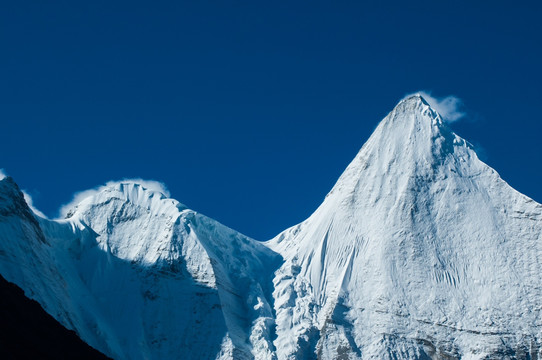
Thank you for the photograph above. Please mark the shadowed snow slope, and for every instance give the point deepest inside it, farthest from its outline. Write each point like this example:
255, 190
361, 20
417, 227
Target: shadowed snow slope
420, 251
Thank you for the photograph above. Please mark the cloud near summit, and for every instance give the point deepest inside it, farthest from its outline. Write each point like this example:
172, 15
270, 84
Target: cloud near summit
449, 107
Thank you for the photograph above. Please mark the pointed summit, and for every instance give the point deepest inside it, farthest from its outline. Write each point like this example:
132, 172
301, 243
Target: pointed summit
414, 98
410, 141
417, 103
12, 200
412, 116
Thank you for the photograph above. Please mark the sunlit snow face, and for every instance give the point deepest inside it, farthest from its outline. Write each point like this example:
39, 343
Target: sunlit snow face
67, 210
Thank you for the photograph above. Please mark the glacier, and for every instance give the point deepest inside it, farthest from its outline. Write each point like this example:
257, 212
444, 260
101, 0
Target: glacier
419, 251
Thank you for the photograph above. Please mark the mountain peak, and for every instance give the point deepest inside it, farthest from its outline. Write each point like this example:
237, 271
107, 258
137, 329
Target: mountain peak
137, 191
414, 98
417, 104
412, 140
417, 240
9, 185
12, 200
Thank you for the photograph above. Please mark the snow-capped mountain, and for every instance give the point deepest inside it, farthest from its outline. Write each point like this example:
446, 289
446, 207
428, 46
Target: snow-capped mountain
419, 251
140, 276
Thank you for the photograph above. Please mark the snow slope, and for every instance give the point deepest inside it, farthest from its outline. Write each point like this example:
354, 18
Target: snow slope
420, 251
139, 276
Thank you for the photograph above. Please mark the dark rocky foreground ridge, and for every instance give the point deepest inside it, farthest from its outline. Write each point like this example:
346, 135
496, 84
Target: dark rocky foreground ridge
28, 332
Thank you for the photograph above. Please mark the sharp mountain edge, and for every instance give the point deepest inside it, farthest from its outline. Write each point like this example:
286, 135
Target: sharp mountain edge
420, 251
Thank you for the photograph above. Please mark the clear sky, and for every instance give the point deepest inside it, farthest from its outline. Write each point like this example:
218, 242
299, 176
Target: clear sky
250, 110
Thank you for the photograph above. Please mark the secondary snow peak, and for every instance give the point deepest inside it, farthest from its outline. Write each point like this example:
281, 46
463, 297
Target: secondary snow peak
132, 191
138, 275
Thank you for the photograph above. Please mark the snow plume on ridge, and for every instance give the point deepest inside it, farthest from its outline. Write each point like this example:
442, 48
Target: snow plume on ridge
449, 107
80, 196
2, 174
30, 204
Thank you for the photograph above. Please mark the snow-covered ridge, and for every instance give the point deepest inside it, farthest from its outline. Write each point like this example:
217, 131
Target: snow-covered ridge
150, 185
139, 275
419, 251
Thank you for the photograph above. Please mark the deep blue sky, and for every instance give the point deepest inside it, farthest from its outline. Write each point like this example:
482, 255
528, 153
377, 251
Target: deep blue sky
249, 111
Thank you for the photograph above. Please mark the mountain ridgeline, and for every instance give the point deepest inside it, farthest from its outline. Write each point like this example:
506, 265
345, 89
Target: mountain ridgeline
420, 251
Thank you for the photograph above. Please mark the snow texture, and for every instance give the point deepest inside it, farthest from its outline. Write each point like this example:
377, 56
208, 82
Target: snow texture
420, 251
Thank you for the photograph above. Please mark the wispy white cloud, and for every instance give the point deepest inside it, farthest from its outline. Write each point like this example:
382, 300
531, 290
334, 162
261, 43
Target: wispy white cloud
82, 195
2, 174
449, 107
30, 204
